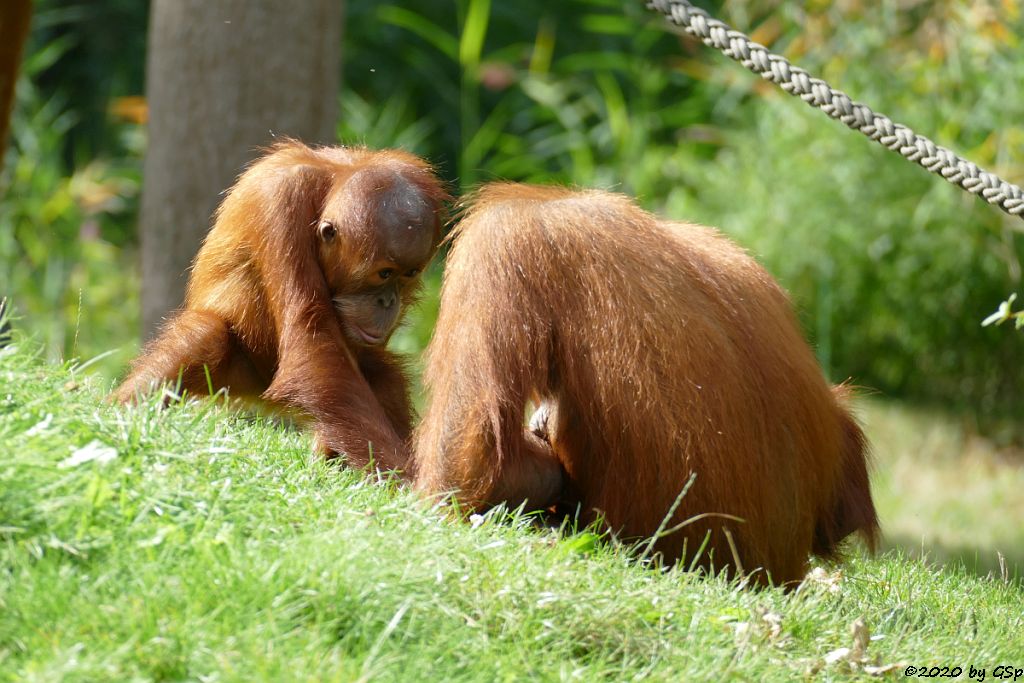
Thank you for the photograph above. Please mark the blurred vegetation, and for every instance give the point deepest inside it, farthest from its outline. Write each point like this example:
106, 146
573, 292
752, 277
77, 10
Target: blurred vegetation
70, 182
891, 269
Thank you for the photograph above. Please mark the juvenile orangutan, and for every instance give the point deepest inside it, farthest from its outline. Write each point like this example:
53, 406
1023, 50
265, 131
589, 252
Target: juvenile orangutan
314, 255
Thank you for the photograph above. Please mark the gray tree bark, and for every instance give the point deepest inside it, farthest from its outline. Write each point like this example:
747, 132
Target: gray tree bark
223, 78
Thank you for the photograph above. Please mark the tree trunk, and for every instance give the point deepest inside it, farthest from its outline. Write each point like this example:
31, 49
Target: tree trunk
223, 79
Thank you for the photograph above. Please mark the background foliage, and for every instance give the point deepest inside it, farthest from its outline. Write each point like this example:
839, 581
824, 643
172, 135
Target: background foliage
891, 269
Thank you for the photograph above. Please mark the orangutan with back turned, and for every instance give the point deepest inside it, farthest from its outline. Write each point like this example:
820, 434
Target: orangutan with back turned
658, 352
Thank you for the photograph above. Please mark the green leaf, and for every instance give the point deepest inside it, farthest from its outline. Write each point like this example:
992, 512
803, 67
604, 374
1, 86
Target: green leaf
582, 544
474, 30
445, 42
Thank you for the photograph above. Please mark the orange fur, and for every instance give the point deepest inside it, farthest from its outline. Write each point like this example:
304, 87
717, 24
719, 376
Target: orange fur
663, 351
287, 298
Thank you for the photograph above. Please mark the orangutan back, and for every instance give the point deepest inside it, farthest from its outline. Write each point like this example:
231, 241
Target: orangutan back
667, 353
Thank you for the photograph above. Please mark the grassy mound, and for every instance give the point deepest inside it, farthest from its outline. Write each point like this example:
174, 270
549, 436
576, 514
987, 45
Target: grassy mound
199, 544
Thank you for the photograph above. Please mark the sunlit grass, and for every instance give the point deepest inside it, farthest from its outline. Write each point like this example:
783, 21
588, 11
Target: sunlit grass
196, 543
945, 493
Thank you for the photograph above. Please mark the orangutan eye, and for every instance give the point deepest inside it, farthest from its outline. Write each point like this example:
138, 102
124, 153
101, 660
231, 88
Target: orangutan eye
412, 273
386, 273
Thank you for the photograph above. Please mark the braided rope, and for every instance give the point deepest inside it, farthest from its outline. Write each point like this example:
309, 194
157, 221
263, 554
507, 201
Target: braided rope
838, 105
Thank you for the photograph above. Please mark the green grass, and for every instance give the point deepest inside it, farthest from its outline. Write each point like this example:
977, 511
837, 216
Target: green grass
944, 492
210, 546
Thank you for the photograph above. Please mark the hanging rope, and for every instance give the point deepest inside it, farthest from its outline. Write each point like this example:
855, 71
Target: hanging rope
838, 105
